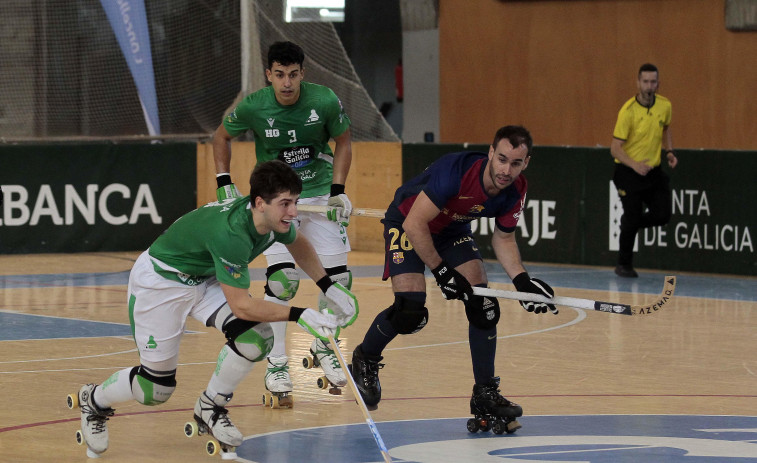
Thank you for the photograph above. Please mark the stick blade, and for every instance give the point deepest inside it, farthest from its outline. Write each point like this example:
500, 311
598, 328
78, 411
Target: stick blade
668, 290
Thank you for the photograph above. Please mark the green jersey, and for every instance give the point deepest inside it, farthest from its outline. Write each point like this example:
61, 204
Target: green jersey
218, 239
297, 134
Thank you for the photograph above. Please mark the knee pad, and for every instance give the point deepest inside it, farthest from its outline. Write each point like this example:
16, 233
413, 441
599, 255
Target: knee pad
149, 388
251, 340
408, 316
282, 281
482, 312
338, 275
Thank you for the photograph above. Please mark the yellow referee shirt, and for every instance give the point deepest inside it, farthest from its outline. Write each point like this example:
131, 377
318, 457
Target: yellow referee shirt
641, 129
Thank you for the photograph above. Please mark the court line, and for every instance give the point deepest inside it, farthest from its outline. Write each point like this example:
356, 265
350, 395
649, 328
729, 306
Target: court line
581, 315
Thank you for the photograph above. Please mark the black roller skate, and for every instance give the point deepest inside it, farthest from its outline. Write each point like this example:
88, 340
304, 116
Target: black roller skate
364, 369
492, 411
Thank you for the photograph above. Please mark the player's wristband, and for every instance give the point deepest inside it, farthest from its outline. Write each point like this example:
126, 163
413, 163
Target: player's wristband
337, 189
295, 313
324, 283
223, 179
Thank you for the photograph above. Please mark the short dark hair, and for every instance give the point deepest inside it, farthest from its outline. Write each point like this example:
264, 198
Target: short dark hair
285, 53
648, 67
269, 179
516, 135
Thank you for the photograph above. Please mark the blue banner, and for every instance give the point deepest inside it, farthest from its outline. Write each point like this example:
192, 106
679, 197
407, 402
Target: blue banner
128, 19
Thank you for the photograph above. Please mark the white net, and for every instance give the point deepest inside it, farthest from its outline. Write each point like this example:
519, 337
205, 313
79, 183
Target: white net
63, 73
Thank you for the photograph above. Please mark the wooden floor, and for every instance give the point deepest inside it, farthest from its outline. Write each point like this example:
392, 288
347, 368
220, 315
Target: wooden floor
698, 356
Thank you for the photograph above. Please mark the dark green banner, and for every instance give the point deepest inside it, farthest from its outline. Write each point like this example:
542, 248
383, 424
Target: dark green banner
93, 197
572, 211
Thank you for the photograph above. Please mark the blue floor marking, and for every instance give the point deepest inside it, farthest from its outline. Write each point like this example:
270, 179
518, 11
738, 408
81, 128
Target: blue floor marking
16, 327
586, 438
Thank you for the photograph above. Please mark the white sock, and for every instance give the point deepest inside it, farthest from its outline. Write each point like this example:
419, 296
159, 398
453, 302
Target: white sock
279, 332
115, 389
231, 369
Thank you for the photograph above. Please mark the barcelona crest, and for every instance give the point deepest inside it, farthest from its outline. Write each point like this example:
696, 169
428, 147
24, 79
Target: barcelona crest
398, 257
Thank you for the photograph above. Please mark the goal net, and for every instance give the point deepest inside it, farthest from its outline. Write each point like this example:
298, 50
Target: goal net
104, 69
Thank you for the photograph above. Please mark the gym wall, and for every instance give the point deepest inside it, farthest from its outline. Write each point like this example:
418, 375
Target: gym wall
92, 197
564, 68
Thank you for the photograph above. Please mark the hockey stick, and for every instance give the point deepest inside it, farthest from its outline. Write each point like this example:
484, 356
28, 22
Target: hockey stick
611, 307
376, 213
360, 401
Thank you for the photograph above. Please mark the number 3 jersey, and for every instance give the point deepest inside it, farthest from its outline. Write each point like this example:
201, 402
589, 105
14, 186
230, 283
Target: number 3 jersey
454, 183
297, 134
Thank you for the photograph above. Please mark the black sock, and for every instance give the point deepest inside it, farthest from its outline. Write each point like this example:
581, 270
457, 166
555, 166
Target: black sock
379, 334
483, 350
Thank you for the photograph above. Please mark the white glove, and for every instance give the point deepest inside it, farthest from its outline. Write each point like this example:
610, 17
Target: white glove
320, 325
344, 304
228, 192
340, 211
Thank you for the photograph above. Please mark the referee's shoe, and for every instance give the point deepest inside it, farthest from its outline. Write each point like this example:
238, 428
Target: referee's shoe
625, 271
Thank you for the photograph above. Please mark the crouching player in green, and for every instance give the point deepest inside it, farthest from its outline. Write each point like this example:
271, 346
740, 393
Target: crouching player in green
199, 268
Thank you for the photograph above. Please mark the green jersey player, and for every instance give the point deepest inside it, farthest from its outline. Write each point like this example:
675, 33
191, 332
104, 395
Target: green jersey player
198, 268
293, 121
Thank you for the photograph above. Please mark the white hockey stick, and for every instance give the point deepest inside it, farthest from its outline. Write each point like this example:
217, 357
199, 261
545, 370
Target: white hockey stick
376, 213
360, 401
610, 307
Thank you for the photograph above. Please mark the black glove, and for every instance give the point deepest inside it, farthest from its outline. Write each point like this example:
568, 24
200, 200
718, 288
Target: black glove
526, 284
452, 283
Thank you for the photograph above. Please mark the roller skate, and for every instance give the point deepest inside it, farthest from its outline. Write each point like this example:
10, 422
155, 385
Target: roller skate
94, 429
492, 411
364, 370
211, 417
278, 384
322, 356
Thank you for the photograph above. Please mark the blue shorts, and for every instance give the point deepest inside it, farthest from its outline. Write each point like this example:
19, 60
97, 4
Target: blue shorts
454, 246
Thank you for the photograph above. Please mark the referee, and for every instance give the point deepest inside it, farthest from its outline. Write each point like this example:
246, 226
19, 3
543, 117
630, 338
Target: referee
642, 128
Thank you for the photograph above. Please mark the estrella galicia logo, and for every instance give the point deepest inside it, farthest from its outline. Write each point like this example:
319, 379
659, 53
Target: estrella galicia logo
297, 157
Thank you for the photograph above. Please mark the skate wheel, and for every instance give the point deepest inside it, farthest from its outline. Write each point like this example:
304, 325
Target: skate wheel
485, 425
499, 427
275, 401
212, 448
472, 425
323, 382
513, 426
190, 429
316, 362
265, 398
308, 363
335, 391
79, 437
72, 400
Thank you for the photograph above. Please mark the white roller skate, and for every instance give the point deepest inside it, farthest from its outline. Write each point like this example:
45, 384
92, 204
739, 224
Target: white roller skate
211, 417
324, 357
278, 383
94, 427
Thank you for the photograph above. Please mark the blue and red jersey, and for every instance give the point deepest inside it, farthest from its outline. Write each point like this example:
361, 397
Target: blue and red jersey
454, 183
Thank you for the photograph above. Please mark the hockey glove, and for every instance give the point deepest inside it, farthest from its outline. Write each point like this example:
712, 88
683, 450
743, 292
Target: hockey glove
320, 325
526, 284
452, 283
344, 304
340, 206
226, 189
228, 192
